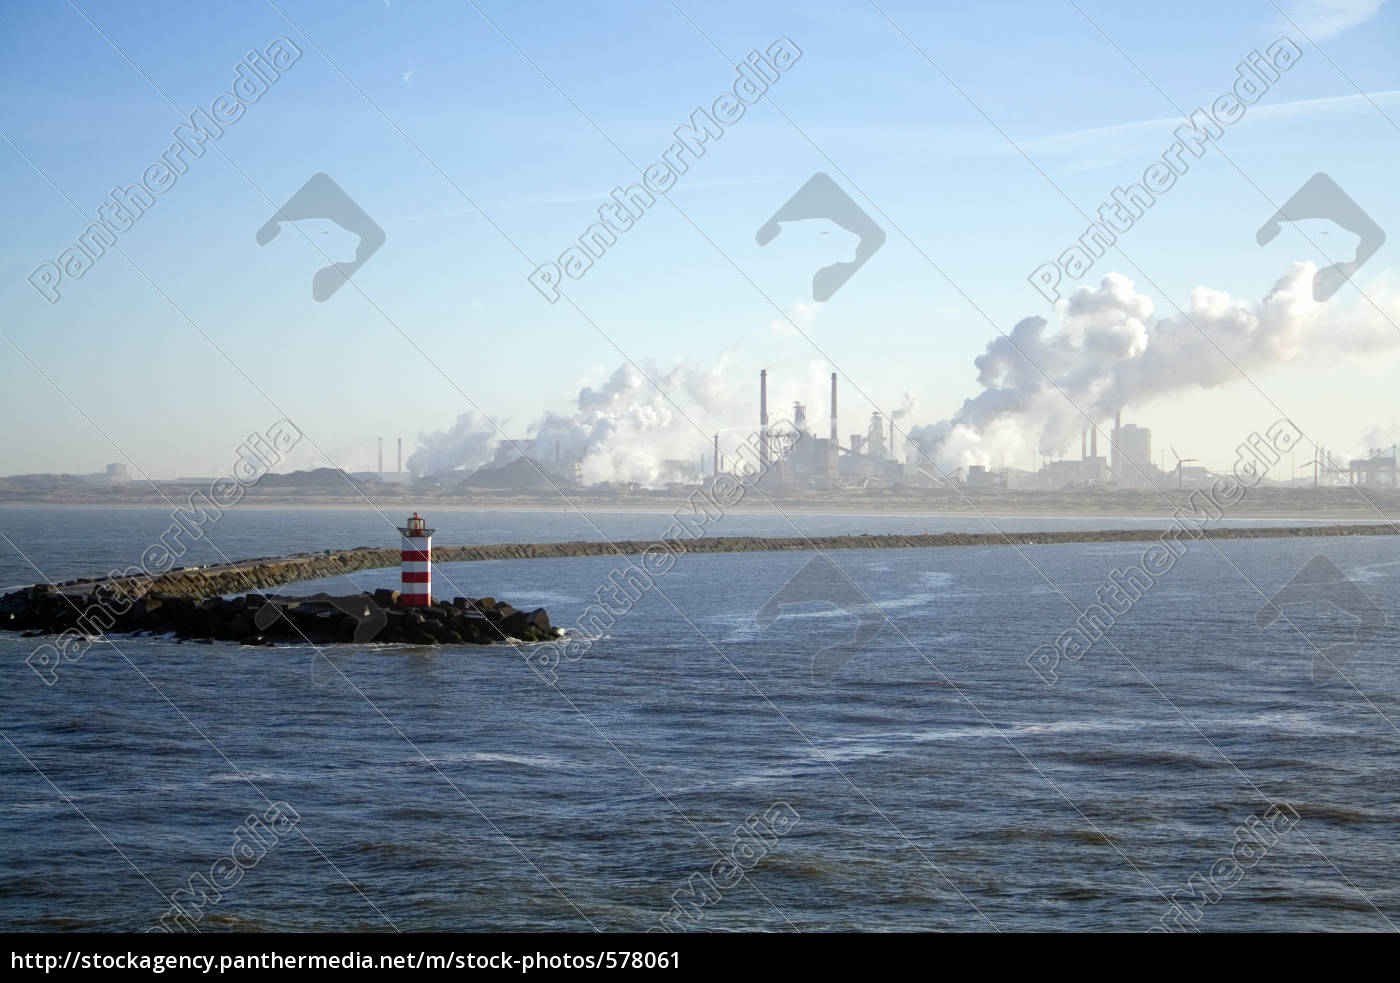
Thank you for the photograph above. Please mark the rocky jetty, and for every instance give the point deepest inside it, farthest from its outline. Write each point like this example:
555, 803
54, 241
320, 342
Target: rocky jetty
256, 575
193, 602
268, 619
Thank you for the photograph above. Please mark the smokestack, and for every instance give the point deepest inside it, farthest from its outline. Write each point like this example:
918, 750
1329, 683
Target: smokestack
833, 448
1094, 441
1115, 463
1083, 444
891, 438
398, 469
716, 455
763, 418
834, 438
381, 457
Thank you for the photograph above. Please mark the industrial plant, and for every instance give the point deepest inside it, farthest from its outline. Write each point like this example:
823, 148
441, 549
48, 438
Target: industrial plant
784, 455
793, 456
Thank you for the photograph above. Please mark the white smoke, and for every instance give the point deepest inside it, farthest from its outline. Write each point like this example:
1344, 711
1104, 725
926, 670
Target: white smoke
907, 404
1106, 353
624, 430
1383, 438
469, 443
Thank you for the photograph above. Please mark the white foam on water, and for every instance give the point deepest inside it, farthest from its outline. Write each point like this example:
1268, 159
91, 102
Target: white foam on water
544, 762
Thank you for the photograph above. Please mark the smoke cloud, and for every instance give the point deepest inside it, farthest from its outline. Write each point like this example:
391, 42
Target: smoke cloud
1107, 353
621, 431
1104, 352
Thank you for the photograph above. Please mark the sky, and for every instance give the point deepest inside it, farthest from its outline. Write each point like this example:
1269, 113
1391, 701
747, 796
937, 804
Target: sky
483, 137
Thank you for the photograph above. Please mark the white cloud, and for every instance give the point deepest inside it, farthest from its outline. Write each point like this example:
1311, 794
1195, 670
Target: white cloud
1110, 144
1153, 131
795, 321
1323, 19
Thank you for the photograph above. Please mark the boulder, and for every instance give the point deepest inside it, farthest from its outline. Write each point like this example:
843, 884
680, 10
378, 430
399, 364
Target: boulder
515, 623
262, 619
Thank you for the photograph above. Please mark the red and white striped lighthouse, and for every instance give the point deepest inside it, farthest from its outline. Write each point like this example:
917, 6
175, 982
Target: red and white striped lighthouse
416, 563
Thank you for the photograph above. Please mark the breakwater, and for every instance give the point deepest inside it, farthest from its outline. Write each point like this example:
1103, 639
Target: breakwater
253, 575
263, 619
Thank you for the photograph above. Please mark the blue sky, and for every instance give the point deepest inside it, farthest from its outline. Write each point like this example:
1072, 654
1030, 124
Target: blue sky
211, 336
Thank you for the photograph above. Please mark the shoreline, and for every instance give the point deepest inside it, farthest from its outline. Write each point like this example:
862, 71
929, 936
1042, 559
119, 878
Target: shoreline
1280, 512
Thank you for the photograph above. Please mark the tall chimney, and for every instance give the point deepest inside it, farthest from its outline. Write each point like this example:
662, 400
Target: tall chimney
1117, 452
399, 468
1083, 444
716, 455
763, 418
381, 457
834, 438
833, 447
892, 439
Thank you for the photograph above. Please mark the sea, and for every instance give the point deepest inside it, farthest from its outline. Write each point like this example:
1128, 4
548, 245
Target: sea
866, 740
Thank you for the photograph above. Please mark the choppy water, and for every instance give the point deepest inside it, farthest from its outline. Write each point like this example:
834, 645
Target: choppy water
940, 783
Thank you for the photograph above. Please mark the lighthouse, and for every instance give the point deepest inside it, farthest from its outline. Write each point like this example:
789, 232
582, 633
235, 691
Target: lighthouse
416, 563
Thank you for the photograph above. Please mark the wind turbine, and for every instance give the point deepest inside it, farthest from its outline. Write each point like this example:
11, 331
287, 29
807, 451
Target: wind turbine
1315, 464
1322, 465
1179, 462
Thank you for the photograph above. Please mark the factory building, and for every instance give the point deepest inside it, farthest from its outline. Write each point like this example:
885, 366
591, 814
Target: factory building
1132, 456
1128, 464
796, 457
1377, 470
